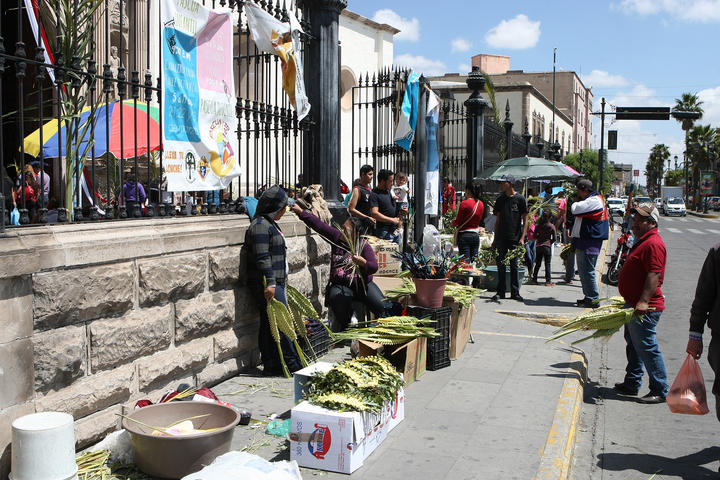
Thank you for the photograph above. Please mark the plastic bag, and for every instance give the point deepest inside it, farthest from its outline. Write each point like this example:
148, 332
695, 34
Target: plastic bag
431, 241
15, 216
687, 394
246, 466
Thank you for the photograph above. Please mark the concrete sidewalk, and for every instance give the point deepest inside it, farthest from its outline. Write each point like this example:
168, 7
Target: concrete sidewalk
506, 409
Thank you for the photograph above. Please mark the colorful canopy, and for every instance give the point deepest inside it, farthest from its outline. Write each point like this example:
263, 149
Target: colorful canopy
132, 133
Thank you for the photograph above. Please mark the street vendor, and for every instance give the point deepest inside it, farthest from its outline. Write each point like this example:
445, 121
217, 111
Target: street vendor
267, 271
350, 274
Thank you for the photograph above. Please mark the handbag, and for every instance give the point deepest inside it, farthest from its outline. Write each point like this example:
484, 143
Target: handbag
457, 230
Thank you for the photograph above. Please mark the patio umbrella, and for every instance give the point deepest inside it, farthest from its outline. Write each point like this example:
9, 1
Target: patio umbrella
528, 168
131, 134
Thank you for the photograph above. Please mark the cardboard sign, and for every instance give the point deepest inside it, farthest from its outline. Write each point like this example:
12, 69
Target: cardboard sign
384, 251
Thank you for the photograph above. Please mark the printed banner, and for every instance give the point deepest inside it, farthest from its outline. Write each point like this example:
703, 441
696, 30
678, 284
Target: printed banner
432, 187
407, 116
707, 180
283, 39
199, 123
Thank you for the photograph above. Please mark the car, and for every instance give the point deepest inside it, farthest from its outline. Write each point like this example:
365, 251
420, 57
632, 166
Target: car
615, 206
714, 203
640, 200
624, 199
674, 206
658, 203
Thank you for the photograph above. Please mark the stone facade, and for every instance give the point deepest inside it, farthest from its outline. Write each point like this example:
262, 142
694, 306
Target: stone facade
102, 315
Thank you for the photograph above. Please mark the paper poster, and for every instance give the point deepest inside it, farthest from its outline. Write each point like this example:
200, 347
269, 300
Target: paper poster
199, 122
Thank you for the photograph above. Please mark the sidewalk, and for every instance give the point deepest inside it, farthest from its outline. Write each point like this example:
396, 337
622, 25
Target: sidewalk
506, 408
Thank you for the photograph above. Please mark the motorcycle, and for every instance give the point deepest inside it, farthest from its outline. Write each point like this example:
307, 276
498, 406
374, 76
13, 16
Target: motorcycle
617, 260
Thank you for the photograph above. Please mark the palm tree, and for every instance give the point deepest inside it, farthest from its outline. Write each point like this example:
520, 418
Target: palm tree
655, 166
689, 102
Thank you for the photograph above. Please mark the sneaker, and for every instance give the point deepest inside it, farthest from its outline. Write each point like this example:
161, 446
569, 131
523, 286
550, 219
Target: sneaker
517, 297
651, 398
623, 389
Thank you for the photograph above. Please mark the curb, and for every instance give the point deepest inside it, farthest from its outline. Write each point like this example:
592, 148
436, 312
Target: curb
702, 215
558, 450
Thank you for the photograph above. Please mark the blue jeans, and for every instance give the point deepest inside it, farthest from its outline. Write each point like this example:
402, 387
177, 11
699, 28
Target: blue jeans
586, 269
385, 234
642, 350
530, 254
468, 244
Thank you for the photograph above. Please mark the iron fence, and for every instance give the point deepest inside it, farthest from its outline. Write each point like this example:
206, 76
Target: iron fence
102, 55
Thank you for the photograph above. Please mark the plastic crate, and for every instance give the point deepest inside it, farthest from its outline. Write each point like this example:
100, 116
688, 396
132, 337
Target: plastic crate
438, 348
319, 340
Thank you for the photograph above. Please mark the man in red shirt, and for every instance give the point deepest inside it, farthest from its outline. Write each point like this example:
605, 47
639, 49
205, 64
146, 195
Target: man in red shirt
448, 195
639, 283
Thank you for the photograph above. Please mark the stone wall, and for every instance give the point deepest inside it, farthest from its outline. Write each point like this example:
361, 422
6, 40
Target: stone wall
94, 317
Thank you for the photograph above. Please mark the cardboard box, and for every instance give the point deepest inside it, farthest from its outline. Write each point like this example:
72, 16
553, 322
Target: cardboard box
409, 358
387, 283
301, 377
460, 326
340, 441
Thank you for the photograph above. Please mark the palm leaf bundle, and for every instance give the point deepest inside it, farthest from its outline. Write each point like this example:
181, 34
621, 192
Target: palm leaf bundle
605, 320
567, 251
516, 253
362, 384
421, 266
388, 330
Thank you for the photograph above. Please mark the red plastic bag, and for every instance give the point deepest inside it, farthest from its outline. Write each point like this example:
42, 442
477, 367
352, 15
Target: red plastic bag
687, 394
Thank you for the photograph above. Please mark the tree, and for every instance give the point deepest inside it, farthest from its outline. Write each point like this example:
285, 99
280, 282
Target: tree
590, 168
655, 166
689, 102
674, 178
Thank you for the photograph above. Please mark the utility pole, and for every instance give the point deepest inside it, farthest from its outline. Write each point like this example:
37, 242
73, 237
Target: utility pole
601, 156
552, 133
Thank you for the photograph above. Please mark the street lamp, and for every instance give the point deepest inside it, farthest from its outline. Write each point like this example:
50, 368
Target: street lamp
676, 165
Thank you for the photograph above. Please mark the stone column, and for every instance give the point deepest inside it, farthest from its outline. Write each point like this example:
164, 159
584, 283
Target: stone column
322, 82
476, 124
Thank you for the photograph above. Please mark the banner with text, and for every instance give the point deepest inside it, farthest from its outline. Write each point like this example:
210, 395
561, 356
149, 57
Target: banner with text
199, 123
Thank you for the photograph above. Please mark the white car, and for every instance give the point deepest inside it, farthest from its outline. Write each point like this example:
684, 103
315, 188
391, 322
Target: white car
674, 206
615, 206
658, 203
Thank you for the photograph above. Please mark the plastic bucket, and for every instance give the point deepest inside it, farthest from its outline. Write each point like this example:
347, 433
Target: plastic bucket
429, 291
490, 280
43, 447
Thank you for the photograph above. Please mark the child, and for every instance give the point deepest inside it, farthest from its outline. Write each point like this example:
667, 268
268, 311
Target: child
401, 193
544, 238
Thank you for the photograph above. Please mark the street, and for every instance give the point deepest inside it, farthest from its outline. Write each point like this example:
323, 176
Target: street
619, 438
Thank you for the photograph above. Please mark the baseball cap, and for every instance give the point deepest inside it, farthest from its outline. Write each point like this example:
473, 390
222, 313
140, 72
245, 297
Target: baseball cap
584, 184
507, 178
647, 210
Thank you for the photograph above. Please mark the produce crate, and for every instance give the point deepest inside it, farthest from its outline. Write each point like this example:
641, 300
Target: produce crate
319, 339
438, 348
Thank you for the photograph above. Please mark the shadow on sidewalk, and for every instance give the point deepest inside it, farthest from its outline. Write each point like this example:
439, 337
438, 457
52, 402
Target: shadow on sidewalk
548, 302
687, 467
595, 392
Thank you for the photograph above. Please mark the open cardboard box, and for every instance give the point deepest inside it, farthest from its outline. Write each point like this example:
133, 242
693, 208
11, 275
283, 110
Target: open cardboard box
408, 358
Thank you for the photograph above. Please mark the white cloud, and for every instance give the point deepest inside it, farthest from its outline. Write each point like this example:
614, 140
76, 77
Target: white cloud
464, 68
409, 27
517, 33
601, 78
421, 64
692, 10
460, 45
711, 106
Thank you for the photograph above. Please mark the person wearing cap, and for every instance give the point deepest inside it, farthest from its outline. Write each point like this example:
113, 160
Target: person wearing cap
267, 271
510, 230
590, 229
706, 310
640, 283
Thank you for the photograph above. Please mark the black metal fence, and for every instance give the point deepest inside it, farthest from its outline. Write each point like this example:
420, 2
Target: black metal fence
103, 55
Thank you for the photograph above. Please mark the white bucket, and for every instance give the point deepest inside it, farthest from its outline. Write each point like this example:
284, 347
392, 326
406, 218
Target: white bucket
43, 447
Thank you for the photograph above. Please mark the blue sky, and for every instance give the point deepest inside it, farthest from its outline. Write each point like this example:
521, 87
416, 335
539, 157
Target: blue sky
632, 52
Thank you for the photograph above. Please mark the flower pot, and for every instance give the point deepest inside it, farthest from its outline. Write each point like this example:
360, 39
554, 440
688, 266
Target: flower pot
430, 291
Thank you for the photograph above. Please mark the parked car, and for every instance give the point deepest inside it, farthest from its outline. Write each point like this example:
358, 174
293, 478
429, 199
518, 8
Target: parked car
615, 206
714, 203
674, 206
640, 200
624, 199
658, 203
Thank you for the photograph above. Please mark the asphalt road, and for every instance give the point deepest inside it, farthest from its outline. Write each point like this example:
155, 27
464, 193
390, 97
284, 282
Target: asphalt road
619, 438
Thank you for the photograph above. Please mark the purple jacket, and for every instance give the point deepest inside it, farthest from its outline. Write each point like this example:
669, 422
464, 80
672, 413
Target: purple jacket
129, 191
338, 275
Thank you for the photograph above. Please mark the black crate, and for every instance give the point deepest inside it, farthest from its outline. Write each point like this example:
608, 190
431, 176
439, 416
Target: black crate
438, 348
319, 339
